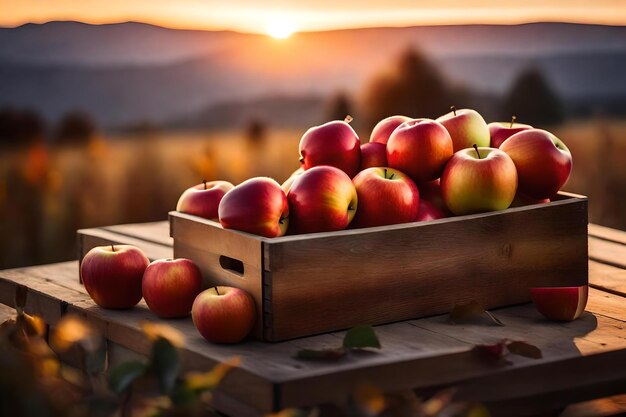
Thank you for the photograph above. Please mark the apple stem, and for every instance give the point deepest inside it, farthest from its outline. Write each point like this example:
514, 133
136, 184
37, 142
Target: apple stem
348, 119
204, 182
112, 248
453, 108
512, 120
476, 149
301, 160
216, 291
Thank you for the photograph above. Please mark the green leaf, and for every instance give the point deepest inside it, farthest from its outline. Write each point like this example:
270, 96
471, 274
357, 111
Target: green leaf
361, 337
472, 312
123, 376
95, 361
165, 363
330, 354
524, 349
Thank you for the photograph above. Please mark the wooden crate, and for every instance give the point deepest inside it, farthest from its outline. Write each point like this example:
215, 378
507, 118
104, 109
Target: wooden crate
314, 283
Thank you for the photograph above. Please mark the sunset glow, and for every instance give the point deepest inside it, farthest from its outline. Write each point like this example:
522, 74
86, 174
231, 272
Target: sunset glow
280, 27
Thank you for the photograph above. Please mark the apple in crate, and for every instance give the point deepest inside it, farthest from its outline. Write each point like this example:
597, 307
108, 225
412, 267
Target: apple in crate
501, 131
322, 199
258, 206
542, 160
373, 154
287, 184
383, 129
420, 148
334, 143
431, 191
478, 180
224, 314
466, 127
560, 303
386, 196
203, 199
112, 275
170, 286
429, 211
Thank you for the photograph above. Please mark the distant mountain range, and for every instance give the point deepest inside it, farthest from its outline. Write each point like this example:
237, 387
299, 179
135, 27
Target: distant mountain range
129, 72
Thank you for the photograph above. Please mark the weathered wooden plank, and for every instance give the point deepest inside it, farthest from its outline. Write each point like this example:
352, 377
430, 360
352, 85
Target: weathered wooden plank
607, 252
607, 233
155, 232
607, 278
90, 238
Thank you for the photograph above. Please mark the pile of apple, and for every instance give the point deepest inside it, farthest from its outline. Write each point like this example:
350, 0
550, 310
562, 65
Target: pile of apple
411, 170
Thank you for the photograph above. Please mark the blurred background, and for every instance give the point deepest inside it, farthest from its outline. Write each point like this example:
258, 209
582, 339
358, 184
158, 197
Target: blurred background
110, 109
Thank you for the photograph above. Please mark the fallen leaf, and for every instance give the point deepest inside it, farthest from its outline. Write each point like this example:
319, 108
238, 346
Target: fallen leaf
472, 312
199, 381
330, 354
524, 349
361, 337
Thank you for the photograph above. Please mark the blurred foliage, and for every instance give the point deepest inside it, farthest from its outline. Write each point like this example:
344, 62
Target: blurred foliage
533, 101
338, 107
75, 128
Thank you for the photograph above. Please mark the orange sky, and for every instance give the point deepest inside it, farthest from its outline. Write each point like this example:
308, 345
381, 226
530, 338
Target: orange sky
256, 16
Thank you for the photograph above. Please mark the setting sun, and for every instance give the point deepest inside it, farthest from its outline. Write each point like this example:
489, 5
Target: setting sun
280, 27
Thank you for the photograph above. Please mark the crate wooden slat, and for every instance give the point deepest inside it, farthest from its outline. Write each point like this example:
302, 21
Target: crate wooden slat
314, 283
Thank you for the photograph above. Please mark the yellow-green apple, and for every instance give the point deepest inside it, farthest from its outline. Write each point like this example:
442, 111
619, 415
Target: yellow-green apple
334, 143
466, 127
170, 286
224, 314
287, 184
431, 191
521, 200
501, 131
383, 129
203, 199
542, 160
258, 206
373, 154
112, 275
560, 303
322, 199
478, 180
386, 196
429, 211
420, 148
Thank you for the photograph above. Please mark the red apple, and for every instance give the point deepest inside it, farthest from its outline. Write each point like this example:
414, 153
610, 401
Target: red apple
431, 192
334, 143
501, 131
373, 154
420, 148
224, 314
112, 275
257, 206
322, 199
287, 184
542, 160
429, 211
466, 127
170, 286
478, 180
203, 199
560, 303
386, 196
383, 129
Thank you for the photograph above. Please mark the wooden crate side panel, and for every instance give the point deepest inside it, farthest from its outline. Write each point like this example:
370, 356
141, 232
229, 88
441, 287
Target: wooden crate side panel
338, 281
213, 274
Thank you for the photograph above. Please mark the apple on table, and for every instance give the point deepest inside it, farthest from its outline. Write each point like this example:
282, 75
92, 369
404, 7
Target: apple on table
170, 286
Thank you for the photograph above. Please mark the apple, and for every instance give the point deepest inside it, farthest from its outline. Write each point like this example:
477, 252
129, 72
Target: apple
383, 129
258, 206
203, 199
501, 131
170, 286
466, 127
334, 143
478, 180
386, 196
112, 275
223, 314
521, 200
542, 160
560, 303
373, 154
322, 199
287, 184
429, 211
431, 191
420, 148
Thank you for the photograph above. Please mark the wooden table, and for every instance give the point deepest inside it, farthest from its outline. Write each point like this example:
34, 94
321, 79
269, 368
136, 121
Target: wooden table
582, 360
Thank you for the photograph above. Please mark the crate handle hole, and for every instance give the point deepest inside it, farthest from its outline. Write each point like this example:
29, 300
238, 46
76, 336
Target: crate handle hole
233, 265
